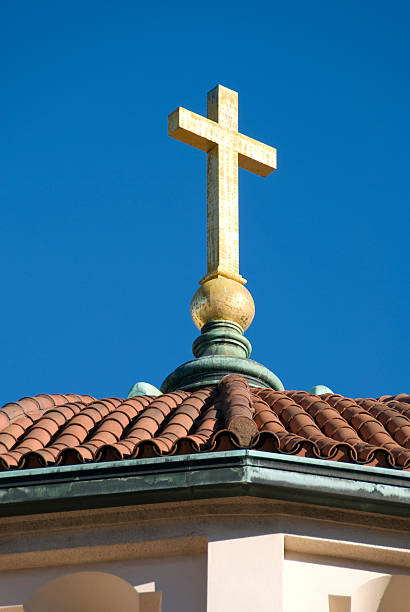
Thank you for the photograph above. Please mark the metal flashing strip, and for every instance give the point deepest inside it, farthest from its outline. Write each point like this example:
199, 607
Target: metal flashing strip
205, 476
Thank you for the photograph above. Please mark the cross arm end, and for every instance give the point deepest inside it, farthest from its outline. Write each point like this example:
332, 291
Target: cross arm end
255, 156
186, 127
262, 168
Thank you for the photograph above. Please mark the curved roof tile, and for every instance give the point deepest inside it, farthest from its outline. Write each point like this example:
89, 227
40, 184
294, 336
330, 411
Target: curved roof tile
68, 429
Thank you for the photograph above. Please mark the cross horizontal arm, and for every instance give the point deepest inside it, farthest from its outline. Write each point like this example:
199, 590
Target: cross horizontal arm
204, 134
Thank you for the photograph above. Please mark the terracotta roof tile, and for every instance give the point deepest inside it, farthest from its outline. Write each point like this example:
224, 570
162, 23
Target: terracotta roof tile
67, 429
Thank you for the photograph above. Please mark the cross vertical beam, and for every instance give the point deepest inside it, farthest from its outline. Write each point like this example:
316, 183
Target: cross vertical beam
222, 190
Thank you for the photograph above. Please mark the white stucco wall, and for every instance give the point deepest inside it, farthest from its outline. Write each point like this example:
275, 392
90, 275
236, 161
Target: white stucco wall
208, 556
245, 574
307, 585
182, 580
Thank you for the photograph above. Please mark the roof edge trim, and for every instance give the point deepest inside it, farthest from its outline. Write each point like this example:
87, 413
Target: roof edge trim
206, 476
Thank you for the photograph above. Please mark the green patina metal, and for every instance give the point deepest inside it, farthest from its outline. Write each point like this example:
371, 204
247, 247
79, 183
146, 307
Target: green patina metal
205, 476
223, 338
210, 370
320, 390
221, 349
143, 388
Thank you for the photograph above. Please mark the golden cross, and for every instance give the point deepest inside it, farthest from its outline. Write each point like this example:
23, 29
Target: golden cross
226, 149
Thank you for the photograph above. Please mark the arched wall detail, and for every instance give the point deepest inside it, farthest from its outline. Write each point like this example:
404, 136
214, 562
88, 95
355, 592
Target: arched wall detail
382, 594
90, 592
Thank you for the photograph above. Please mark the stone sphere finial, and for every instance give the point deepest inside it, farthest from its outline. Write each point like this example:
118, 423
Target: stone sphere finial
222, 298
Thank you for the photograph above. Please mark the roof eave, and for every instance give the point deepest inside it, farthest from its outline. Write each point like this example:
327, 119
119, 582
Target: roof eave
205, 476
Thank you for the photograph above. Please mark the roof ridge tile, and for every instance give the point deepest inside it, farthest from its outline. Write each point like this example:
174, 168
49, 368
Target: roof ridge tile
61, 429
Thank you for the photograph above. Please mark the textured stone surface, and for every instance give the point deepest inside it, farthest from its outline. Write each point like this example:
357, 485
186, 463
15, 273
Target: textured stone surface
222, 298
226, 150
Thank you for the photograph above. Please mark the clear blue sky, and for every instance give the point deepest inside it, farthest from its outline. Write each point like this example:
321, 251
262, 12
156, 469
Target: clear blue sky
103, 216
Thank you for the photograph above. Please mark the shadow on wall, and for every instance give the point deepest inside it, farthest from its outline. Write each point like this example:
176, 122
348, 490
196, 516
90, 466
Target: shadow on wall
89, 592
385, 594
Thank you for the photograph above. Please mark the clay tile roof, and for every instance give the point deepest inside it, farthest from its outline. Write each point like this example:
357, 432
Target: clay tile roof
68, 429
